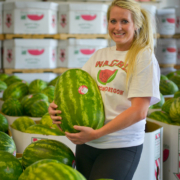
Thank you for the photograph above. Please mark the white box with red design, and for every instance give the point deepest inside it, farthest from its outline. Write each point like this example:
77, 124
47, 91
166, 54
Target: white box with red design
74, 53
171, 150
82, 18
30, 17
30, 53
151, 162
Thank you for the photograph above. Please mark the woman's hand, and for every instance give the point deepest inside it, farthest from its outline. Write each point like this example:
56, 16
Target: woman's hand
86, 134
52, 112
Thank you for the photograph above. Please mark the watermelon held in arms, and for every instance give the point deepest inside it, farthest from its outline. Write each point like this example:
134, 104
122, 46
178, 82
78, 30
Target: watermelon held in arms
106, 76
3, 124
79, 99
47, 149
7, 143
10, 168
12, 107
52, 170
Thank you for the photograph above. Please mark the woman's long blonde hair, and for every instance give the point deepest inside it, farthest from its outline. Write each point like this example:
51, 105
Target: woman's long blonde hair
143, 37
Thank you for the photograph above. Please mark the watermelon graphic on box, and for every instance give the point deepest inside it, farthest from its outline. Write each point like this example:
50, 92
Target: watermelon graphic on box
35, 17
88, 17
35, 52
87, 51
106, 76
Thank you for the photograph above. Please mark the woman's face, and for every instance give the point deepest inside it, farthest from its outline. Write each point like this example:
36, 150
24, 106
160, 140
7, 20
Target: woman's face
121, 28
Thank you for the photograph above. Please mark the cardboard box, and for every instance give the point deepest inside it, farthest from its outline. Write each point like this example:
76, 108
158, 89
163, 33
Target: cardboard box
171, 150
30, 53
150, 166
29, 77
74, 53
30, 17
152, 110
82, 18
22, 140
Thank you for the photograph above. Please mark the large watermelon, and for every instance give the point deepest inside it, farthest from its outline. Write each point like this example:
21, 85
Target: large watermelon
28, 100
3, 124
106, 76
166, 106
49, 91
22, 123
3, 85
16, 90
43, 129
10, 167
47, 149
12, 107
53, 82
78, 97
3, 76
7, 143
160, 116
37, 86
174, 110
50, 171
39, 108
12, 79
176, 79
170, 74
168, 87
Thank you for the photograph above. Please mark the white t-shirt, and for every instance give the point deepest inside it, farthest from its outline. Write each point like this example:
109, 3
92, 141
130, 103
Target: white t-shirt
106, 66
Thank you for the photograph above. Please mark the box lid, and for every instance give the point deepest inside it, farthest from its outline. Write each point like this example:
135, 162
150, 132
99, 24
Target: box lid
31, 42
165, 11
83, 7
37, 5
83, 42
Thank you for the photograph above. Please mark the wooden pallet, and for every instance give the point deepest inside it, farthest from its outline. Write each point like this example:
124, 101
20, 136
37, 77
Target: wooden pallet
32, 36
56, 36
166, 65
177, 66
56, 70
175, 36
2, 37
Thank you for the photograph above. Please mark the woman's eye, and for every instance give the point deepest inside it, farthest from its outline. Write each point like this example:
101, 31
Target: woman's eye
113, 21
125, 21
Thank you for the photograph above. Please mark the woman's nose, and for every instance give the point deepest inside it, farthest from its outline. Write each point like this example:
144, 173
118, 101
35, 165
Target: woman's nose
118, 26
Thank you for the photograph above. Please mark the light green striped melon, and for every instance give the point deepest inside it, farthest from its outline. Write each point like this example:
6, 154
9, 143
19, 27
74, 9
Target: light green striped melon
43, 129
22, 123
166, 106
47, 149
78, 97
10, 167
174, 111
39, 108
51, 171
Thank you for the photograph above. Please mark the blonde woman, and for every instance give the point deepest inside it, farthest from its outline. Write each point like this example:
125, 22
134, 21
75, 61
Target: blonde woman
114, 150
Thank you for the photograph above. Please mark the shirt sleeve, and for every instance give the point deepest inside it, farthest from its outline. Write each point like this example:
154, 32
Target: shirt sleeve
145, 79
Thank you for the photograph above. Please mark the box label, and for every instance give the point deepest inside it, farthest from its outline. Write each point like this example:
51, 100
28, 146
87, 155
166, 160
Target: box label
157, 156
34, 139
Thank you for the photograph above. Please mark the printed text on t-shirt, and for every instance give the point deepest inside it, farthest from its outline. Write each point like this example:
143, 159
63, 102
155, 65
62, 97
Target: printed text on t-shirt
115, 62
109, 89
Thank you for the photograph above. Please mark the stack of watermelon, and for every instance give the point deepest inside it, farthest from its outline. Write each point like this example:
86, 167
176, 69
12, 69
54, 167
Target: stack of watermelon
23, 99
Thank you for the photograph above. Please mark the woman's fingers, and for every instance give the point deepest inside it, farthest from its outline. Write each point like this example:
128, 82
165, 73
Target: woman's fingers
55, 118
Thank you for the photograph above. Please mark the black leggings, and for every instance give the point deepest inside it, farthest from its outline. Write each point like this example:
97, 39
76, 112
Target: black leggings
116, 164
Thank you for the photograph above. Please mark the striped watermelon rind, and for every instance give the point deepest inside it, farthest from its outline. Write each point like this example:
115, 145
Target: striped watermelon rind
39, 108
160, 116
52, 171
177, 94
7, 143
168, 87
12, 107
53, 82
3, 86
77, 108
159, 104
176, 79
10, 167
22, 123
49, 91
3, 124
47, 149
174, 110
3, 76
166, 106
43, 129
